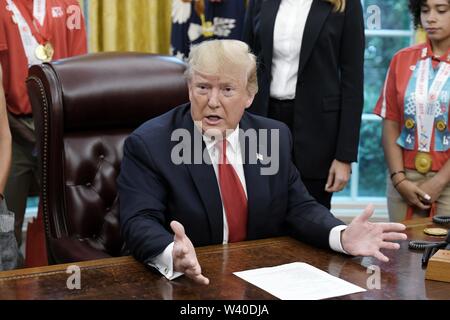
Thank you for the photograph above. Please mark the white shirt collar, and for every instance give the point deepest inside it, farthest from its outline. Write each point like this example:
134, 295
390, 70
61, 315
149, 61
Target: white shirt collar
232, 139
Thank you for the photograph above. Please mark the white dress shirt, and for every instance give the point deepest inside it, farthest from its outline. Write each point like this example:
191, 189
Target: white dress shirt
287, 43
164, 261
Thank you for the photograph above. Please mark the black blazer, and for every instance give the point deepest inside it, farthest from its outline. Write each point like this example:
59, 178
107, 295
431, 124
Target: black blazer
329, 94
153, 191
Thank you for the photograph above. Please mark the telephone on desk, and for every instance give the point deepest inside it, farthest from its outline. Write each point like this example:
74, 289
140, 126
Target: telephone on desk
436, 255
431, 249
438, 261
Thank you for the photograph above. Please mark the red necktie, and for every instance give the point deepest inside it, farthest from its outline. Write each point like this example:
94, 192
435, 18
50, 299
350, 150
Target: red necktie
233, 197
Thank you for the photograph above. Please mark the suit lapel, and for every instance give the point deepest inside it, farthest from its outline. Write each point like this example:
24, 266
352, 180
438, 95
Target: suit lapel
206, 183
268, 11
258, 191
319, 12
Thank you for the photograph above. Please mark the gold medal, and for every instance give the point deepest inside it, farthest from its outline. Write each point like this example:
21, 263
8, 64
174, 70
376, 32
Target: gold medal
49, 50
440, 125
44, 53
438, 232
409, 123
40, 53
422, 162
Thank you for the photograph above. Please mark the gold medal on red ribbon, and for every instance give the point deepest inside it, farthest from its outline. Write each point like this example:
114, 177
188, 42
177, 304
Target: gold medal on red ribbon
45, 52
49, 50
423, 162
440, 125
409, 123
40, 53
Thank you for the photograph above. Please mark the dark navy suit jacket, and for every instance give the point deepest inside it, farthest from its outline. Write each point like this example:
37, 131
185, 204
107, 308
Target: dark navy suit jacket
153, 191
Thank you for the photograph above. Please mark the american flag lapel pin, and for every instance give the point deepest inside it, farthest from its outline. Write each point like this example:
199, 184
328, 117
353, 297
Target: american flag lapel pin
259, 157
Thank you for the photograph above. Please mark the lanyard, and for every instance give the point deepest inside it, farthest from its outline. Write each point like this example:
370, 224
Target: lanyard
426, 100
36, 22
29, 42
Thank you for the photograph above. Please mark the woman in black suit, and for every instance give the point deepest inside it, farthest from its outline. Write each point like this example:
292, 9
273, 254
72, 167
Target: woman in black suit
310, 74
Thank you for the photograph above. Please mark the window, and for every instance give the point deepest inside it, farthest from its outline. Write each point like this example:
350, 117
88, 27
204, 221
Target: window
388, 29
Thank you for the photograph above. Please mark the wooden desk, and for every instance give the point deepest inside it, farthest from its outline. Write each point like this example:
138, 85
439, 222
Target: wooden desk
124, 278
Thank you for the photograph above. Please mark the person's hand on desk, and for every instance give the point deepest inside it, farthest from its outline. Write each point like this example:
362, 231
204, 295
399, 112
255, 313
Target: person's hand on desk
364, 238
184, 256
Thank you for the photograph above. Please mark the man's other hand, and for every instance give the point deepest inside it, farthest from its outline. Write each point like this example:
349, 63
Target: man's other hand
184, 256
364, 238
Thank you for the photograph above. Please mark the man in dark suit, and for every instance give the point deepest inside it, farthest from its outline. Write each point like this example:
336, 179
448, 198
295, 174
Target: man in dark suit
214, 173
310, 76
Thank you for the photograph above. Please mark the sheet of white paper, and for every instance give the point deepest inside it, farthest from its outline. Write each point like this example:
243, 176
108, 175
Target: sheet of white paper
298, 281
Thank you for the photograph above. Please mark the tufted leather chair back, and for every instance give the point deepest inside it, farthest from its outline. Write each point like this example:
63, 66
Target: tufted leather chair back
84, 108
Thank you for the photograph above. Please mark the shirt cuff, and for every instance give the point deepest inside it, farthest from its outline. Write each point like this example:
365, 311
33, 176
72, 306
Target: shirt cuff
335, 238
164, 263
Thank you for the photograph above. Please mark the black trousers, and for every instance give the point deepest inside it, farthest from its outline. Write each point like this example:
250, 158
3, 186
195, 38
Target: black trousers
283, 110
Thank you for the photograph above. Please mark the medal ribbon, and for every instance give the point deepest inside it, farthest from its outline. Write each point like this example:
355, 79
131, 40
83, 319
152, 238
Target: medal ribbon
426, 101
40, 27
29, 42
39, 11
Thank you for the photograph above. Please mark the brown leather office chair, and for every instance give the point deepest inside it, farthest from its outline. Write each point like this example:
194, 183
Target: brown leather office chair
84, 108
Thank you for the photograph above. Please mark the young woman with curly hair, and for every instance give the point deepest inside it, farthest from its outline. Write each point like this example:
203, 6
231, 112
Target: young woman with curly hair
414, 105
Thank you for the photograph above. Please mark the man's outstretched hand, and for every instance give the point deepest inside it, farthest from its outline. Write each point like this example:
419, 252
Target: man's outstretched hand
364, 238
184, 257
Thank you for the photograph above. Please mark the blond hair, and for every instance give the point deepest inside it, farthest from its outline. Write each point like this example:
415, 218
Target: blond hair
229, 57
339, 5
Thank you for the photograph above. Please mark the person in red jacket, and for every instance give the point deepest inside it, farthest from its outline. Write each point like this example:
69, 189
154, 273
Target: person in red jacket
414, 104
31, 32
